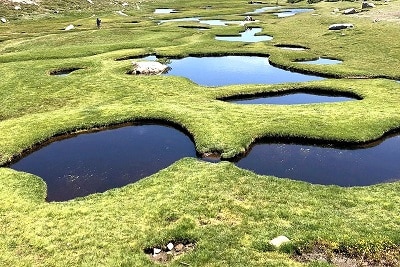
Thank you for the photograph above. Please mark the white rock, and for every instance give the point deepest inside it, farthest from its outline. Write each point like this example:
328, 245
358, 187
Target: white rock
156, 251
148, 67
170, 246
125, 4
278, 241
122, 13
17, 7
69, 27
349, 11
3, 20
90, 1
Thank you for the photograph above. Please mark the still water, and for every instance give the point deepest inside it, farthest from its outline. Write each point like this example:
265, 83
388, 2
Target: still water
95, 162
228, 70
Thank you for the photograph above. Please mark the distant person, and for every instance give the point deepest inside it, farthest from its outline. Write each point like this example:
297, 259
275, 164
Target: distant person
98, 22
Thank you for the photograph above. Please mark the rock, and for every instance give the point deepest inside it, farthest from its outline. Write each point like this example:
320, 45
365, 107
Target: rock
17, 8
148, 67
90, 1
340, 26
125, 4
349, 11
179, 247
170, 246
365, 4
122, 13
69, 27
156, 251
278, 241
3, 20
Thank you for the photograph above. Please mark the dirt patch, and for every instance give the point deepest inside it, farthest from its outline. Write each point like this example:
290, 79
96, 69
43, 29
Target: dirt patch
167, 253
344, 257
388, 11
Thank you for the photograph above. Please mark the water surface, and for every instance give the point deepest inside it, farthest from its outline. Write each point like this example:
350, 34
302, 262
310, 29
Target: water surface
327, 165
283, 13
292, 99
95, 162
227, 70
248, 36
322, 61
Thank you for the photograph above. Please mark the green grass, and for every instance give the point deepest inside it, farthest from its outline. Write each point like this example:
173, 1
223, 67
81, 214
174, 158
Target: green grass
230, 213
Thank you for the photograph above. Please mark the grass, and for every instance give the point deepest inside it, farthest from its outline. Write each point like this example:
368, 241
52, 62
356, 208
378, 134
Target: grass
229, 213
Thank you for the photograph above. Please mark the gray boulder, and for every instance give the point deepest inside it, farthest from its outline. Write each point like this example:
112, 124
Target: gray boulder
3, 20
340, 26
365, 4
349, 11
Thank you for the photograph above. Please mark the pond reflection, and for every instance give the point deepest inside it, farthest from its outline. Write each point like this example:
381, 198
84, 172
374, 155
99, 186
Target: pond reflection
283, 13
227, 70
322, 61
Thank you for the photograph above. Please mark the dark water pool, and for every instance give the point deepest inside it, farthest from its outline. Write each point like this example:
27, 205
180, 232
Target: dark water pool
219, 71
248, 36
327, 165
292, 99
63, 72
95, 162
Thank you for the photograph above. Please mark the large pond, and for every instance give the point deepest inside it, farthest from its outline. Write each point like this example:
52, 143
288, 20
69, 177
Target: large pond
95, 162
228, 70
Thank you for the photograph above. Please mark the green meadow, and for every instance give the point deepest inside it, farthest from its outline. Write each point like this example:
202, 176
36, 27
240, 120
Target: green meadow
227, 213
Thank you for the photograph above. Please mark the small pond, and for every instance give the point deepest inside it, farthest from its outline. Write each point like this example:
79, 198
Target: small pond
248, 36
63, 72
211, 22
292, 99
164, 11
354, 166
263, 9
292, 47
227, 70
322, 61
283, 13
95, 162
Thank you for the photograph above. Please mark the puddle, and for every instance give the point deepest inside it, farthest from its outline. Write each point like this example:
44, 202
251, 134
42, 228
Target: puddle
262, 10
292, 47
164, 11
283, 13
195, 19
211, 22
227, 70
292, 99
63, 72
321, 61
95, 162
327, 165
248, 36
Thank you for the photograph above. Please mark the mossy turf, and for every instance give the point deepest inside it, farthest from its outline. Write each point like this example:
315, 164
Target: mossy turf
230, 214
